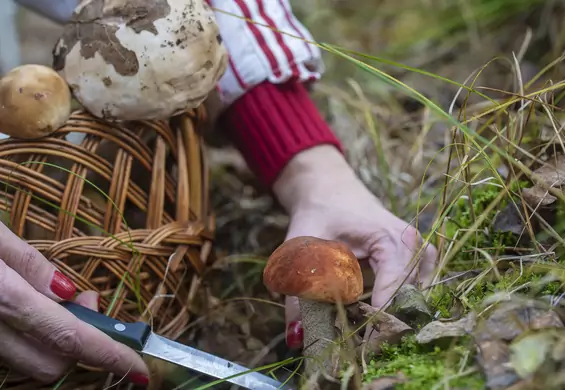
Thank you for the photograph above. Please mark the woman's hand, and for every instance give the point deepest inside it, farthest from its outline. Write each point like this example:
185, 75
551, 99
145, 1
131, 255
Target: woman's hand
325, 199
38, 336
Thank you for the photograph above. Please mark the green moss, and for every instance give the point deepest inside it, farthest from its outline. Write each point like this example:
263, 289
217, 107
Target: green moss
462, 217
529, 282
445, 302
426, 367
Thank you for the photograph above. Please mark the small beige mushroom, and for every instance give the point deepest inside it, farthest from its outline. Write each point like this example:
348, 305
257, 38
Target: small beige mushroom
34, 102
140, 59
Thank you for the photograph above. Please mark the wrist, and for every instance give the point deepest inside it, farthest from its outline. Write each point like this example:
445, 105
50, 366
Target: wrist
315, 174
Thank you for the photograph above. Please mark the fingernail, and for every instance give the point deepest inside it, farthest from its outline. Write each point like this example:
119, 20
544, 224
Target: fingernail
62, 286
139, 379
295, 335
99, 300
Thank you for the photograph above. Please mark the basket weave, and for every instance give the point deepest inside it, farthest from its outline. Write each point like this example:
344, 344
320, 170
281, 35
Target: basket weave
155, 175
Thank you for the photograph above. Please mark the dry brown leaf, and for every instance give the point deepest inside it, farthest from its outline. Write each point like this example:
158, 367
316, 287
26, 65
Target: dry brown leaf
537, 356
384, 323
528, 353
382, 327
409, 305
385, 382
513, 217
500, 325
507, 320
509, 220
493, 358
538, 196
550, 175
445, 330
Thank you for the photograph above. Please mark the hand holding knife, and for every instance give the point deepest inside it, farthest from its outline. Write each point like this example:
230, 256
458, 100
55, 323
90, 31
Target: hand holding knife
140, 338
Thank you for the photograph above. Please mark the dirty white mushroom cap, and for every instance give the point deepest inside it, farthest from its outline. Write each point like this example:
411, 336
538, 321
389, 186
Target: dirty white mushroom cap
140, 59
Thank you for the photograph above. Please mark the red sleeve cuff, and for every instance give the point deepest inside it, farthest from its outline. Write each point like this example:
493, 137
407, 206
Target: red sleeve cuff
272, 123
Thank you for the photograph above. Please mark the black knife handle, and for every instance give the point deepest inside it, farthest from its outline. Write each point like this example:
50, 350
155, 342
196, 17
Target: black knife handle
134, 335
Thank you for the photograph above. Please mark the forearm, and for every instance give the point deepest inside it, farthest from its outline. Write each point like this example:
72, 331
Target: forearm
287, 144
271, 124
270, 118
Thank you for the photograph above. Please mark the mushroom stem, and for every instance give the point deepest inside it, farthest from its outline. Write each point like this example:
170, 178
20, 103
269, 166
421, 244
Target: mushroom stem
318, 322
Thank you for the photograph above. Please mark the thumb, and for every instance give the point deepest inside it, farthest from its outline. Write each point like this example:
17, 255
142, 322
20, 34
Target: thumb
384, 289
293, 324
391, 270
396, 260
294, 330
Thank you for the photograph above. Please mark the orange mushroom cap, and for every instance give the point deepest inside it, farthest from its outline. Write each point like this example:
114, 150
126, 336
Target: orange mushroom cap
315, 269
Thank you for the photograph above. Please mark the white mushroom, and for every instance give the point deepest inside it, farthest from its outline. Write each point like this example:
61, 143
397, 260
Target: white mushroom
34, 102
140, 59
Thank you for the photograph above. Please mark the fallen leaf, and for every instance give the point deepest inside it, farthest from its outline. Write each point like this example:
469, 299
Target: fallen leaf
548, 175
384, 323
382, 327
509, 220
538, 357
254, 344
446, 330
500, 325
549, 319
493, 357
538, 196
558, 352
547, 133
528, 353
385, 382
552, 173
409, 305
508, 319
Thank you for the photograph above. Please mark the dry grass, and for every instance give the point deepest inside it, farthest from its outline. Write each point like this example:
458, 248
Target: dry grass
413, 103
406, 98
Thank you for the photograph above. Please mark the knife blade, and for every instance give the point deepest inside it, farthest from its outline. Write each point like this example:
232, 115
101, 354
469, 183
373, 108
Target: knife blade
139, 337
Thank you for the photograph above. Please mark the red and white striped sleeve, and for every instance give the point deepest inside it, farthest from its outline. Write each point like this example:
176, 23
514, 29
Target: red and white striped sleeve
270, 116
265, 42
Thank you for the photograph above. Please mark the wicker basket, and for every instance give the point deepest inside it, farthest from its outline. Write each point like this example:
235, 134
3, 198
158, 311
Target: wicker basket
155, 176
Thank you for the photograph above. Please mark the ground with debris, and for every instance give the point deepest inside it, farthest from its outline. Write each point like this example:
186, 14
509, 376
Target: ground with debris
493, 315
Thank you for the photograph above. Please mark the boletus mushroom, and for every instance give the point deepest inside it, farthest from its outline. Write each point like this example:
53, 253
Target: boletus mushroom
140, 59
34, 102
321, 273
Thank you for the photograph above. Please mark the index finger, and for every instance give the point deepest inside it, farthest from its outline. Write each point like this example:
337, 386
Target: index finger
390, 275
31, 265
30, 312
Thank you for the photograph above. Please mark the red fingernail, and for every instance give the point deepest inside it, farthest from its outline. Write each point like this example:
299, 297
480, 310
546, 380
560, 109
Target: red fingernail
62, 286
139, 379
99, 300
295, 335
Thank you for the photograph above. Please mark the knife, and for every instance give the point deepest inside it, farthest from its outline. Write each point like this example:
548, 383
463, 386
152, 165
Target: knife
139, 337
